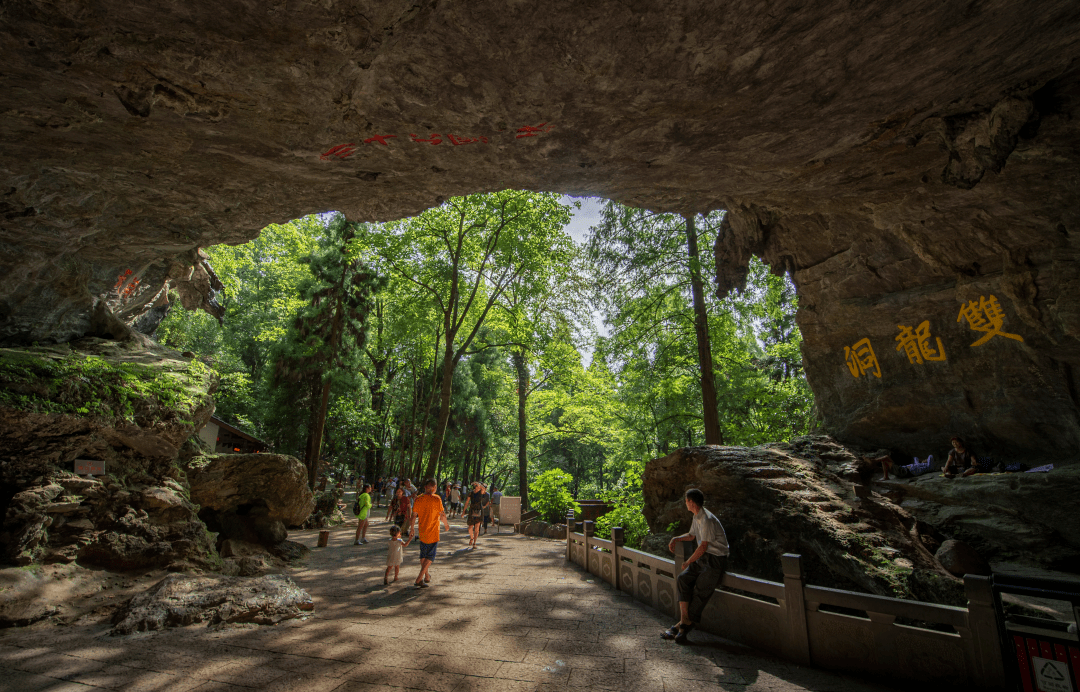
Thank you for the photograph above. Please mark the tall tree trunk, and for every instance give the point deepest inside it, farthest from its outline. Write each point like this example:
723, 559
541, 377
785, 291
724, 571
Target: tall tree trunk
427, 412
478, 474
444, 407
522, 369
459, 464
315, 435
711, 415
412, 424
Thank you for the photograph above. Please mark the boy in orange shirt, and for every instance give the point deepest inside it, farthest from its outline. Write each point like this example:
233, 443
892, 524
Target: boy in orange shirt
428, 510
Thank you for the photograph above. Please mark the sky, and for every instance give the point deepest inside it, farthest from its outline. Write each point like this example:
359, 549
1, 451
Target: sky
578, 228
583, 218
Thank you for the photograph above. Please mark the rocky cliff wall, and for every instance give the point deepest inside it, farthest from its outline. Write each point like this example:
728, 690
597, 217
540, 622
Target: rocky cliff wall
123, 408
901, 160
814, 497
772, 500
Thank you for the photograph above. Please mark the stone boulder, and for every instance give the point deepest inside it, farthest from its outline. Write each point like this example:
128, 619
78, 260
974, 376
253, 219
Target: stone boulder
771, 501
250, 497
543, 529
959, 558
278, 482
181, 599
326, 512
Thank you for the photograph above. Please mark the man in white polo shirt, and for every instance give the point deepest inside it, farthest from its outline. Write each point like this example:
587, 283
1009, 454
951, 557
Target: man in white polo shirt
703, 570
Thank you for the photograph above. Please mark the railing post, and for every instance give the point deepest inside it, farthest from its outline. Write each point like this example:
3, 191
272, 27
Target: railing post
618, 540
589, 529
680, 555
982, 623
797, 645
569, 535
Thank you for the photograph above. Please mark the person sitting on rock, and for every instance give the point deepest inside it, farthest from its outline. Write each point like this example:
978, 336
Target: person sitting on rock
961, 460
885, 462
916, 468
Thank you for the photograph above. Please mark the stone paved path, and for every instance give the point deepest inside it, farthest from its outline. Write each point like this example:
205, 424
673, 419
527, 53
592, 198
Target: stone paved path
511, 616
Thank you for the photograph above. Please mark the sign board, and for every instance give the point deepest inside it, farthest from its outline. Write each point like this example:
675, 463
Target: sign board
509, 511
89, 467
1051, 676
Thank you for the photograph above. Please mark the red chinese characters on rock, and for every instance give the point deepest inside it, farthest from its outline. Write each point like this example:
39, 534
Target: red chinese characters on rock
533, 131
458, 141
341, 151
344, 151
381, 139
433, 141
126, 284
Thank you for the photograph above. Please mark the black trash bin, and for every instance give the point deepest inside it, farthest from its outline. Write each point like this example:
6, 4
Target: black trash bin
1040, 654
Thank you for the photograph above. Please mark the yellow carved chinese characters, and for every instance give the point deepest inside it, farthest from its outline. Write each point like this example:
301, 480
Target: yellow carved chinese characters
986, 316
916, 344
860, 359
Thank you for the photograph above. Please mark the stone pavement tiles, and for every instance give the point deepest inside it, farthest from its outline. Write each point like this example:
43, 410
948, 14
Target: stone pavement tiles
511, 616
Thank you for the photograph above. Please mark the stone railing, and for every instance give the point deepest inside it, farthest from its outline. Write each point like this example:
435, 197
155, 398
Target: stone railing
814, 625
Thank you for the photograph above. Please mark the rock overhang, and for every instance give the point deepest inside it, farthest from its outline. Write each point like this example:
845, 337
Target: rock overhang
899, 161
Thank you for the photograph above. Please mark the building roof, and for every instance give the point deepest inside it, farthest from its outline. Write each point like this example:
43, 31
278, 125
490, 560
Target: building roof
237, 431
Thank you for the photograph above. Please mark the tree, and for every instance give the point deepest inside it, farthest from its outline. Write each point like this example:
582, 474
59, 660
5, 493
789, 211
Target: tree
539, 316
635, 251
330, 330
464, 254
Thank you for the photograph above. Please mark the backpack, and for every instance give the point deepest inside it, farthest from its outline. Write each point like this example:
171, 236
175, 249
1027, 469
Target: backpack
356, 508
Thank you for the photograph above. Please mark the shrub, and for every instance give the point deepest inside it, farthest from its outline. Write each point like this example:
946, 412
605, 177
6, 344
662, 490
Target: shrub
549, 494
627, 510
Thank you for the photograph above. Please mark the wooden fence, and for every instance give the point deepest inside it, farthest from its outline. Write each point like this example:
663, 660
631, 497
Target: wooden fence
814, 625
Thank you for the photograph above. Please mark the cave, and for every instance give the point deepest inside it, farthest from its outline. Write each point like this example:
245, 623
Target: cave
913, 165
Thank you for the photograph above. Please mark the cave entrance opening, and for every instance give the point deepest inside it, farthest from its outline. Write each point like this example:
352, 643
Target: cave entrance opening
567, 317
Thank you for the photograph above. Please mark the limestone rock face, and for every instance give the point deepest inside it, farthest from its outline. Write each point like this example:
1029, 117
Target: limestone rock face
772, 501
181, 599
104, 402
900, 160
1005, 516
959, 558
272, 487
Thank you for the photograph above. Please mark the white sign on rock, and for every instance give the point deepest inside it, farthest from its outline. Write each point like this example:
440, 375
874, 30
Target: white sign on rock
1051, 676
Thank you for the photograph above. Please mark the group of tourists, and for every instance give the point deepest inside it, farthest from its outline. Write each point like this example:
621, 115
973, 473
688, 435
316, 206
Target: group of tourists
418, 513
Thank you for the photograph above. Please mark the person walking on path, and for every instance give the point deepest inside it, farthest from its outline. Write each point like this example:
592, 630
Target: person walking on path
475, 509
428, 511
361, 508
399, 507
703, 570
412, 493
395, 554
455, 500
496, 499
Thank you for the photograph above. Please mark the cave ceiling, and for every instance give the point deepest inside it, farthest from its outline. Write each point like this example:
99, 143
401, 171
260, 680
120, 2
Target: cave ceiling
901, 160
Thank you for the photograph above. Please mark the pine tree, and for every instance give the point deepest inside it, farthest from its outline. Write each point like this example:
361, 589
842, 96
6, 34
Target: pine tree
329, 334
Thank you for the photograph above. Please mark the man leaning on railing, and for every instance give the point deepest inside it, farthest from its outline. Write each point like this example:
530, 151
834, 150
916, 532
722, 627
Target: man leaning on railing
703, 570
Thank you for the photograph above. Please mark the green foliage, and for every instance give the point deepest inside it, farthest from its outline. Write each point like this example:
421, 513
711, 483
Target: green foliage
628, 511
550, 493
327, 337
41, 380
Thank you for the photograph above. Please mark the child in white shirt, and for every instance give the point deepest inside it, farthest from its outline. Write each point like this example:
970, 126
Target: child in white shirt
395, 554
